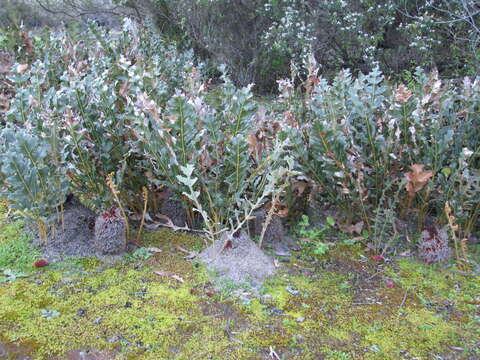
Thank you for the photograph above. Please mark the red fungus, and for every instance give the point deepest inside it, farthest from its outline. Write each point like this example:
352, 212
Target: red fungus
378, 257
41, 263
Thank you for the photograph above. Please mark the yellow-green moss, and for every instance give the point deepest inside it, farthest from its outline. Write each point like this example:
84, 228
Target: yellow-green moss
398, 322
436, 288
419, 331
154, 316
128, 309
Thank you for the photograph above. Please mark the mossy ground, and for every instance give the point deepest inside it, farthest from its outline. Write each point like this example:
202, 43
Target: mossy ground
336, 307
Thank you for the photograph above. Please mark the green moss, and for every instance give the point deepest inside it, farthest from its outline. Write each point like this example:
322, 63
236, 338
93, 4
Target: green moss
142, 308
150, 314
435, 286
257, 310
16, 251
417, 331
128, 309
165, 237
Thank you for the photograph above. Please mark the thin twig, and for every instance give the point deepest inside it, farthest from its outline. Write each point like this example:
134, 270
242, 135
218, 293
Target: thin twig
190, 254
462, 273
115, 193
145, 202
273, 354
169, 223
404, 299
366, 303
474, 347
377, 273
62, 217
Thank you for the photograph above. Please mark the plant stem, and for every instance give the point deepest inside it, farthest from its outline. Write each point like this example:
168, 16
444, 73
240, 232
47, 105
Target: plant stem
145, 202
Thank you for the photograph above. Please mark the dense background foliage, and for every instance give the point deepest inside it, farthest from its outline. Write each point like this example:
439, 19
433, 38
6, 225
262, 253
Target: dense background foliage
259, 40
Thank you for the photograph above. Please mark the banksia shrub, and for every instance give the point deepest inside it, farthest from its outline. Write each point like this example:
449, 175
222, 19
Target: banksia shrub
198, 145
78, 96
31, 181
354, 136
433, 245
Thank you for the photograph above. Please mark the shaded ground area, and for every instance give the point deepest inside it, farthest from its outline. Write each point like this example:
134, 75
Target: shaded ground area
157, 305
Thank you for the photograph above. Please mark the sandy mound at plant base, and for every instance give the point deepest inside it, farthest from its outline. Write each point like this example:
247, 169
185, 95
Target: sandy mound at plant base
76, 238
244, 262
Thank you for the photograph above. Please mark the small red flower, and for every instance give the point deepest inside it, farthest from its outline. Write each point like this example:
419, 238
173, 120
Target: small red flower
378, 257
306, 273
390, 284
41, 263
110, 214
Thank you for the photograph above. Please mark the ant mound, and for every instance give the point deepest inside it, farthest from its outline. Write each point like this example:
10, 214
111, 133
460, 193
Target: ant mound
274, 233
173, 208
75, 237
275, 237
241, 261
83, 234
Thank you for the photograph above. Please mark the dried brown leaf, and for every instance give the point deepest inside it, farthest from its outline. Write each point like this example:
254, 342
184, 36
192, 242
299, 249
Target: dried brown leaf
403, 94
255, 146
5, 64
299, 187
352, 228
124, 89
417, 179
4, 103
206, 161
280, 209
27, 42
